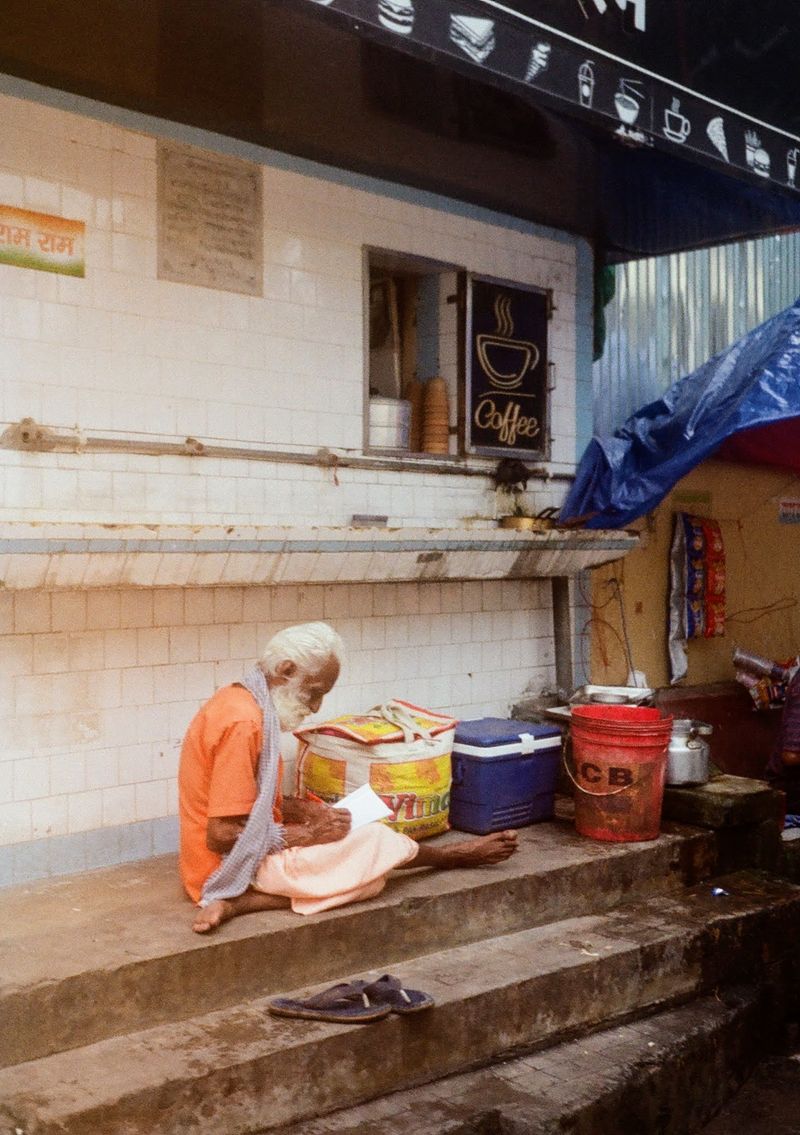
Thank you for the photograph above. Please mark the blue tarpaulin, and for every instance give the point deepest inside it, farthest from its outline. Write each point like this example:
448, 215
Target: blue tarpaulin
742, 405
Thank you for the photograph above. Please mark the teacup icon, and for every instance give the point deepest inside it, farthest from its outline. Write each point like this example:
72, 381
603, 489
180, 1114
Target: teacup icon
506, 361
677, 126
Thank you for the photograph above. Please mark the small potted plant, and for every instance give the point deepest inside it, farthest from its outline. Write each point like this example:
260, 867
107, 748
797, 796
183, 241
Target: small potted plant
510, 481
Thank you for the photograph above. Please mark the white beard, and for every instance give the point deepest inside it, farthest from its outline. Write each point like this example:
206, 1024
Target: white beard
289, 706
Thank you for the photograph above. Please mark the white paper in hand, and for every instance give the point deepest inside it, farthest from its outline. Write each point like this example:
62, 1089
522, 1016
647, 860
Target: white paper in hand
364, 805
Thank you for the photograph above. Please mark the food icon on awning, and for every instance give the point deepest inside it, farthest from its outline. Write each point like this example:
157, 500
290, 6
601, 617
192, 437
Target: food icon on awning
628, 101
586, 83
716, 134
755, 155
474, 35
677, 126
396, 16
540, 57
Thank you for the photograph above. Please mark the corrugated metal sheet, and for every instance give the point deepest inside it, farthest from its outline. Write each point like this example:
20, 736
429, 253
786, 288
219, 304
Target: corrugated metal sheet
670, 314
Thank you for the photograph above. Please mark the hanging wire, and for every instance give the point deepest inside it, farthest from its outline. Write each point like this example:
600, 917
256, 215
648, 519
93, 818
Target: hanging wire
586, 639
615, 584
786, 603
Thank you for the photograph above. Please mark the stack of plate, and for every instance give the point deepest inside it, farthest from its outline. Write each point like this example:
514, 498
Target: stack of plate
436, 417
389, 421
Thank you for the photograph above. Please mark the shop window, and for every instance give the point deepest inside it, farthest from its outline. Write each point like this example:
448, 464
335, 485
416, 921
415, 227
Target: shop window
415, 364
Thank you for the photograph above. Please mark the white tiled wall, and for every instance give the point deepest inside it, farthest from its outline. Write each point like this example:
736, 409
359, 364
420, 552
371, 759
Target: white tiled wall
97, 687
121, 353
128, 489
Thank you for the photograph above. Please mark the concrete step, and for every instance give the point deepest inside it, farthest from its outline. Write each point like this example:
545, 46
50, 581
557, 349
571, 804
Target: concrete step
238, 1070
101, 954
666, 1074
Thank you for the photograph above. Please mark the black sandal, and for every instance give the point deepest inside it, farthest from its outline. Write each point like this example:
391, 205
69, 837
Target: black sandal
389, 990
348, 1002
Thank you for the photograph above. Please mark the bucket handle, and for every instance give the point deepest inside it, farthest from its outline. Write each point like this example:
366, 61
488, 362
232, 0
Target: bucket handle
586, 791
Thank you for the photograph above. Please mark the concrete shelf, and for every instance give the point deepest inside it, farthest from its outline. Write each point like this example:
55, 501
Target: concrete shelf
54, 556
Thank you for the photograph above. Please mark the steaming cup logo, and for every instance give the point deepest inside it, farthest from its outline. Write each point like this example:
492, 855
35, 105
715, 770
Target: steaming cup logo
505, 360
755, 155
538, 62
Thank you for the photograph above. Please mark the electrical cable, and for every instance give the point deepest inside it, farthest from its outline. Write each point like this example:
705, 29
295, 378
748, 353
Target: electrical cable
615, 583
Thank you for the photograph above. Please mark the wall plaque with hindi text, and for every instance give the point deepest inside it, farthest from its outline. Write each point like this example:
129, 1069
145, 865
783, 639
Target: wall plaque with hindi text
210, 220
507, 369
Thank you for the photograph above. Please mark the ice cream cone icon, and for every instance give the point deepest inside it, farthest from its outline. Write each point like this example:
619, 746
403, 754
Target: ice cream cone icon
539, 60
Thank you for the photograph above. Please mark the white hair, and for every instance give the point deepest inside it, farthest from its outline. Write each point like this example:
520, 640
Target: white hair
308, 645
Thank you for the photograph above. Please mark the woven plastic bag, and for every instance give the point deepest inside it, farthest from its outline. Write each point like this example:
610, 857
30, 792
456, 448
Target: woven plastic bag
401, 750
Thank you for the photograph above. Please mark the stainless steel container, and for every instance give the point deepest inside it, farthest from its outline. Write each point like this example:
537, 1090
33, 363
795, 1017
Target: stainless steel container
688, 752
611, 695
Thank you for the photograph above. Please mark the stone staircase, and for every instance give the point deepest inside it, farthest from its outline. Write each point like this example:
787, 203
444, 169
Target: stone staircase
580, 987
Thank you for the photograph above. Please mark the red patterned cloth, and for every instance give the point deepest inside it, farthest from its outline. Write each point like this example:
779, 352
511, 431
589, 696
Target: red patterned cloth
705, 577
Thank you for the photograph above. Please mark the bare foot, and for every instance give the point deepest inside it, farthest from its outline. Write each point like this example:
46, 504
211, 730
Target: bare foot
222, 910
481, 852
487, 849
211, 916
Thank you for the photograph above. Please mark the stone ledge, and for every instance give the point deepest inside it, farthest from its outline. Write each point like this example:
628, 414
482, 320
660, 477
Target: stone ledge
49, 555
724, 802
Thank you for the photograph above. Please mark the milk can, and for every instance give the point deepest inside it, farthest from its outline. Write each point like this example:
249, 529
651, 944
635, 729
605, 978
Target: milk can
688, 752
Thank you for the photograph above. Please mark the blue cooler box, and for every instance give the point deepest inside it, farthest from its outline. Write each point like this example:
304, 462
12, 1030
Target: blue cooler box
504, 774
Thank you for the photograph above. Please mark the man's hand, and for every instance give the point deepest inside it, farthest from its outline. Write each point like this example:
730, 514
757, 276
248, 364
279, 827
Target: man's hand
324, 825
296, 810
329, 825
223, 831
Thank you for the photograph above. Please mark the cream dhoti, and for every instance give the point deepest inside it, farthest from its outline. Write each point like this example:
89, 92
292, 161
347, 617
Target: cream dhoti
331, 874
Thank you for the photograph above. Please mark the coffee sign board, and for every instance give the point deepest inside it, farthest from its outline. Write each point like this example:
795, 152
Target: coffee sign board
507, 371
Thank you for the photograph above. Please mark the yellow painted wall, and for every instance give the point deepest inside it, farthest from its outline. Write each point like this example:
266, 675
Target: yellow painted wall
763, 580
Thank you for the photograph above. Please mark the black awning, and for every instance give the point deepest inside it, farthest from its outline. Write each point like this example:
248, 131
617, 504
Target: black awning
630, 78
692, 109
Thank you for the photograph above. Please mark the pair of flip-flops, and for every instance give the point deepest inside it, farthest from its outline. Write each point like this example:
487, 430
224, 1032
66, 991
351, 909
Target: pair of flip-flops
355, 1002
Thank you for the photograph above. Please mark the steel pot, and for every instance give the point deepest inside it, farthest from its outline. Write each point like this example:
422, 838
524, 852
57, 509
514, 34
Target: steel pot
688, 754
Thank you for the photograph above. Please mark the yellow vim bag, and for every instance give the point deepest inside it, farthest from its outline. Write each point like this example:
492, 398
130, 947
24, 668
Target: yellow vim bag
401, 750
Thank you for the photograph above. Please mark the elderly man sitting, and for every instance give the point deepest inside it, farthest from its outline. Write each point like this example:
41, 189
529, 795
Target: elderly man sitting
243, 846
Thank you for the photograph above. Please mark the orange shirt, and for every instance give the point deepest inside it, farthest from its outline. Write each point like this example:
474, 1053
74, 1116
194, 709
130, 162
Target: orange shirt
217, 776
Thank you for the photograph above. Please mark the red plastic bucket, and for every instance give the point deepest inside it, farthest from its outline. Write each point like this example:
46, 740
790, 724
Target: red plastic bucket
620, 758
